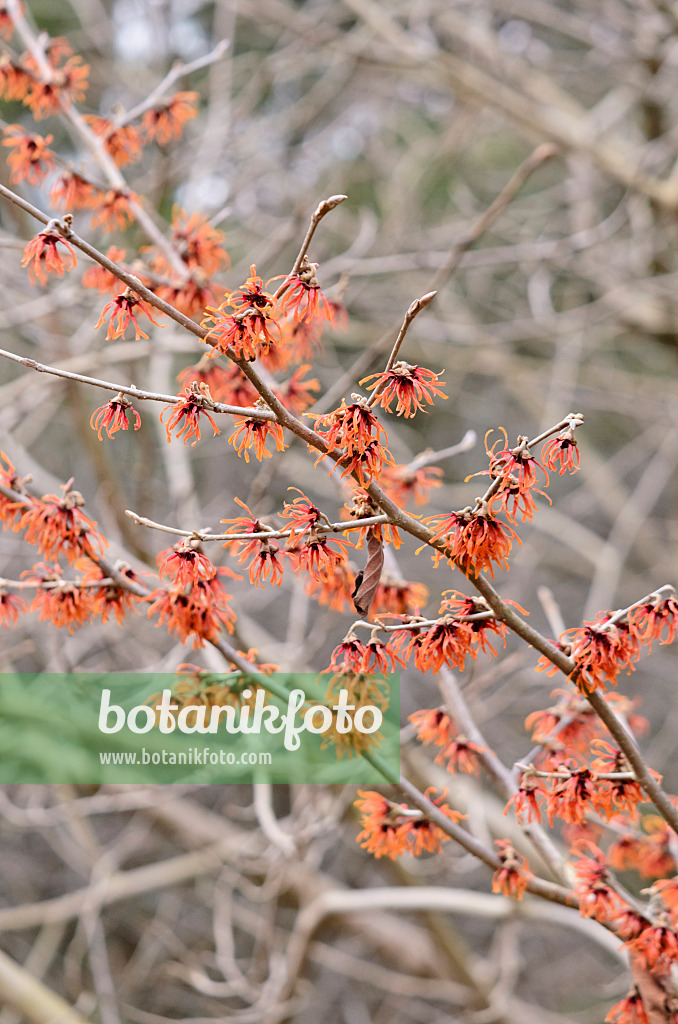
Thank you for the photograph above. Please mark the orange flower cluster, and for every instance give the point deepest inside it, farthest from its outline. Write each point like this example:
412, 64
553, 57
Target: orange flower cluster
66, 84
307, 550
201, 249
227, 383
73, 192
61, 602
198, 611
609, 645
250, 329
58, 526
475, 540
457, 752
356, 433
352, 657
389, 829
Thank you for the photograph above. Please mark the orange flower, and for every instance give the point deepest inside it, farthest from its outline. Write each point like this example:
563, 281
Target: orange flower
600, 650
59, 601
573, 797
246, 333
461, 755
68, 85
113, 210
11, 606
166, 122
295, 393
102, 279
14, 82
629, 1010
514, 875
119, 313
227, 383
198, 615
572, 717
186, 412
399, 597
255, 433
434, 726
113, 416
410, 386
185, 563
424, 834
199, 245
390, 829
475, 539
516, 462
657, 945
122, 142
402, 483
334, 590
368, 464
381, 657
42, 257
526, 801
73, 192
302, 514
347, 657
30, 159
110, 598
625, 794
351, 428
59, 527
9, 477
655, 620
299, 341
384, 829
251, 294
361, 506
244, 524
596, 898
266, 565
302, 298
562, 453
447, 643
319, 555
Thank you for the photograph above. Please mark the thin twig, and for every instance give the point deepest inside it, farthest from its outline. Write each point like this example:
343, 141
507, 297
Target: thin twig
415, 308
134, 392
205, 535
467, 239
323, 208
179, 70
